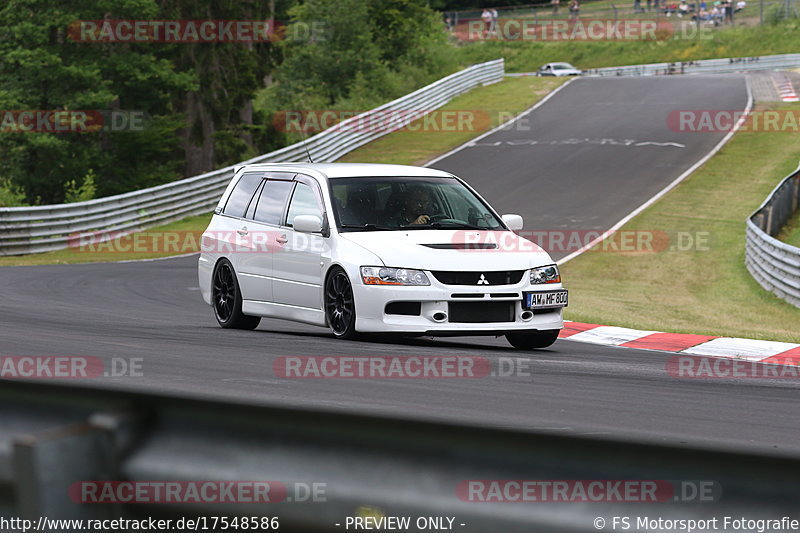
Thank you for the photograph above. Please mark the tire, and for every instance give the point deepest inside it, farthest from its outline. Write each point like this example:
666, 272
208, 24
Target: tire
226, 299
532, 340
340, 305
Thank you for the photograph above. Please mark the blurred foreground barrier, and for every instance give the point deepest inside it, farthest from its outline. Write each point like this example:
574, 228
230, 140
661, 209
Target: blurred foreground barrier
25, 230
775, 264
59, 443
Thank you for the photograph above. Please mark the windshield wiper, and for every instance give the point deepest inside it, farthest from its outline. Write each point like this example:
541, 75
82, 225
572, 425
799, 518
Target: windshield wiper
438, 224
367, 227
457, 225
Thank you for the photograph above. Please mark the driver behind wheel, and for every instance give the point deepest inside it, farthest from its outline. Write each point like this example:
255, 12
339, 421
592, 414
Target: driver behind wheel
416, 207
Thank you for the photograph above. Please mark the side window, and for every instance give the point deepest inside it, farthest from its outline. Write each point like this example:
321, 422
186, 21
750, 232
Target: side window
304, 202
242, 194
250, 212
273, 197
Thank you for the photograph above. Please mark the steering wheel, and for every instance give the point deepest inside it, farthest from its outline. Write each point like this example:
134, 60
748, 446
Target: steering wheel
436, 217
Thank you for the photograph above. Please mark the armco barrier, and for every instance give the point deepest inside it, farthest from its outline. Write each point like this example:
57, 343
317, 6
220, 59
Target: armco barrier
25, 230
775, 264
54, 436
703, 66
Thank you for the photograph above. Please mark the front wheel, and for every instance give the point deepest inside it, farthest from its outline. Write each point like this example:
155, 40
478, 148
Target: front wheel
532, 340
340, 305
227, 299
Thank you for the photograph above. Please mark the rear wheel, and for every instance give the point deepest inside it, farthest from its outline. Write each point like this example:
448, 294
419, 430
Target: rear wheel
227, 299
531, 340
340, 306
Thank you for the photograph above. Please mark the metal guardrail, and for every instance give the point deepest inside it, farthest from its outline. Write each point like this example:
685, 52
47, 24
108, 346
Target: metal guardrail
775, 265
53, 436
703, 66
25, 230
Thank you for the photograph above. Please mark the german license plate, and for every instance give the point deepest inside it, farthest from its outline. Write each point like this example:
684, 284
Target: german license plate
545, 299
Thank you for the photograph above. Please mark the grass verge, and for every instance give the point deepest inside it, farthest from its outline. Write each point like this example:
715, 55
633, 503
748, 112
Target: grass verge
705, 289
491, 105
527, 56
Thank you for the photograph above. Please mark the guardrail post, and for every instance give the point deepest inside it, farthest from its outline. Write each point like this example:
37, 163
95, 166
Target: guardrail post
49, 465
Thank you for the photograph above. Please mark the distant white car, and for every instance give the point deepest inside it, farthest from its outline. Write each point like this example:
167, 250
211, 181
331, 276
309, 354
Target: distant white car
559, 69
367, 248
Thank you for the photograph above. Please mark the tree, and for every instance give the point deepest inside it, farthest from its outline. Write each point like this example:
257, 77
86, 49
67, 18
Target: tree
363, 52
44, 68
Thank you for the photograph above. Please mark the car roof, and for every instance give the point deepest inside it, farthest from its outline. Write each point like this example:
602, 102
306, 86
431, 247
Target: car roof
350, 170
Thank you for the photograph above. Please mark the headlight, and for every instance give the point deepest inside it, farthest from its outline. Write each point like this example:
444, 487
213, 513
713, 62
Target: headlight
545, 274
373, 275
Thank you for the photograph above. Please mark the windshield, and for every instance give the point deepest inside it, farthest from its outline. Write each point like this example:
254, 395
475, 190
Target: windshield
393, 203
563, 66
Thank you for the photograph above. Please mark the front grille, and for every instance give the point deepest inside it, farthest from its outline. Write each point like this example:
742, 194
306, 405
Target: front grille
472, 312
502, 277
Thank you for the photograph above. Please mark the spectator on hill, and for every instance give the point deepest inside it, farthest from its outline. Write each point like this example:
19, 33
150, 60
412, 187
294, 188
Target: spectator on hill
486, 17
716, 15
728, 5
574, 9
683, 9
493, 25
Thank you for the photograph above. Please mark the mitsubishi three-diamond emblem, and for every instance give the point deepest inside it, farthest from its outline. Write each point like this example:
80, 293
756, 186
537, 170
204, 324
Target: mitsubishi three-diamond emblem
483, 280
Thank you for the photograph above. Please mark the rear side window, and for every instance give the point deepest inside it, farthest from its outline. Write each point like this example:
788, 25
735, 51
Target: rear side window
273, 198
242, 193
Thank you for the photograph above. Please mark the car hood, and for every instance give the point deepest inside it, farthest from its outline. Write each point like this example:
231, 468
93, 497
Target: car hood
451, 249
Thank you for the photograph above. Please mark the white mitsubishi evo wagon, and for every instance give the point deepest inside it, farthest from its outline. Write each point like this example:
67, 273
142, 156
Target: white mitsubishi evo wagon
364, 248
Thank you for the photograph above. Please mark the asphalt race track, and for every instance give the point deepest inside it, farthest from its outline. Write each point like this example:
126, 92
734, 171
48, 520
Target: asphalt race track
596, 150
153, 310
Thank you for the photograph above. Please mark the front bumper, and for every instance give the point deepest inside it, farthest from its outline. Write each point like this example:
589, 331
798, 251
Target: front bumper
435, 300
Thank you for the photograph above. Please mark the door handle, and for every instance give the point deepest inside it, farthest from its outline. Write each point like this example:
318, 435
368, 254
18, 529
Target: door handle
242, 231
282, 239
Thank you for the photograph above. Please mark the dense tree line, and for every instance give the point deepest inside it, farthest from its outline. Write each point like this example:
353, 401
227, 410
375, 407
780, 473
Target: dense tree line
192, 103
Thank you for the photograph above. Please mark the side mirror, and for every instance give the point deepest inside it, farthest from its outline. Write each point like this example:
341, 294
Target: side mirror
307, 224
514, 222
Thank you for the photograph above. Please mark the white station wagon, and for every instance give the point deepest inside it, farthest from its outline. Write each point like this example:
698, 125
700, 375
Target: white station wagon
364, 248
